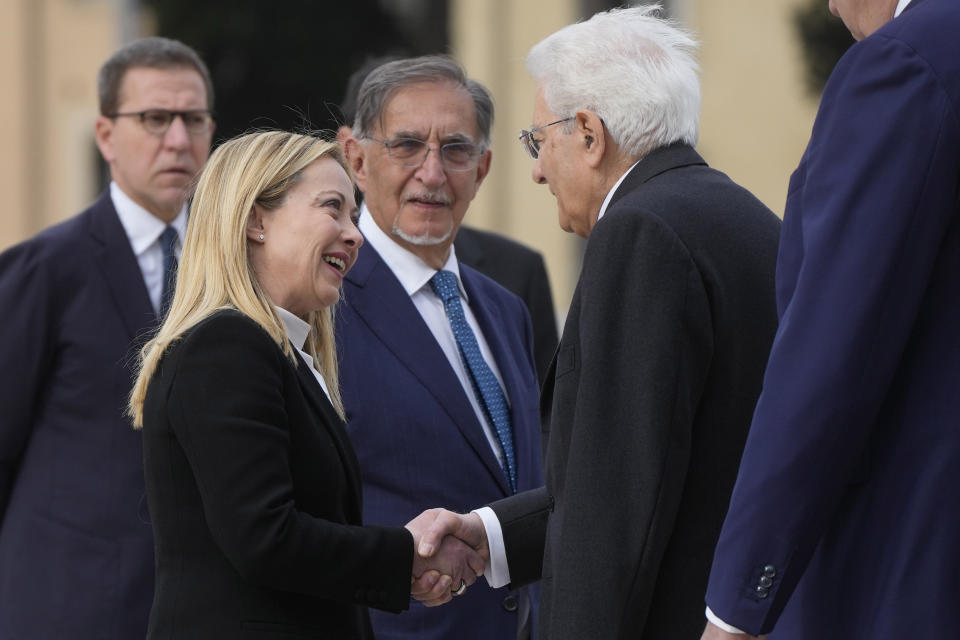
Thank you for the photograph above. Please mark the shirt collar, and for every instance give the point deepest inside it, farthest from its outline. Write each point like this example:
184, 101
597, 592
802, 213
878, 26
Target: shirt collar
297, 329
412, 272
142, 227
606, 201
901, 5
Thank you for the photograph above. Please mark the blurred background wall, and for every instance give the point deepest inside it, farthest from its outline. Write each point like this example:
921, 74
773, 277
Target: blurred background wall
284, 63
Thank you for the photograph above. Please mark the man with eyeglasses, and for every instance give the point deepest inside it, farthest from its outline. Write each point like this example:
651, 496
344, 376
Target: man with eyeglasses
516, 266
647, 404
76, 545
437, 368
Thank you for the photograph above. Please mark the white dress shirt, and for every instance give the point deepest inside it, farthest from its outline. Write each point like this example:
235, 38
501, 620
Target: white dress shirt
414, 275
143, 230
297, 332
606, 201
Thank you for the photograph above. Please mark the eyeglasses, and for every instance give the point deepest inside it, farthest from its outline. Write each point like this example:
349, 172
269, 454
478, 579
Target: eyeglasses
412, 152
157, 121
530, 143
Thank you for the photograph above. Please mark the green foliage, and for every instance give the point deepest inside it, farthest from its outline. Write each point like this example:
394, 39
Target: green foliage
284, 63
823, 39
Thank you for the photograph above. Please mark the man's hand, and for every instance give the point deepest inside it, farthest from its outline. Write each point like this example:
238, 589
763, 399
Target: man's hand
450, 564
440, 523
713, 632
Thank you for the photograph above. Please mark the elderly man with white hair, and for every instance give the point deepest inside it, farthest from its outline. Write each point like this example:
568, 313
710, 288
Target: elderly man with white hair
647, 403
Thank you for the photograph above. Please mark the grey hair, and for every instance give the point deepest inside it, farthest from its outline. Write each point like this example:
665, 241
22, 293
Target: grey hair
382, 82
146, 53
634, 69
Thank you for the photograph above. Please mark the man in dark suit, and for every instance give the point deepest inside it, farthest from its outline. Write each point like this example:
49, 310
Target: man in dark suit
646, 406
521, 270
844, 521
76, 549
437, 369
515, 266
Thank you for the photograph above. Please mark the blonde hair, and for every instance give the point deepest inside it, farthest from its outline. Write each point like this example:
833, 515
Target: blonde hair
215, 272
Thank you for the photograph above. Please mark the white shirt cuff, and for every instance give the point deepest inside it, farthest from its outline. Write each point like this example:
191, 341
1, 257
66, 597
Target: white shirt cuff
712, 617
496, 572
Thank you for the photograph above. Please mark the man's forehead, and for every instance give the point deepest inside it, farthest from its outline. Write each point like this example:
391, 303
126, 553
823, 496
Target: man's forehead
139, 82
430, 107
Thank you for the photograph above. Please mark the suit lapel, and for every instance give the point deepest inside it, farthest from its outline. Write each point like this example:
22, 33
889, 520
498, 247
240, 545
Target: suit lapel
387, 309
119, 268
335, 427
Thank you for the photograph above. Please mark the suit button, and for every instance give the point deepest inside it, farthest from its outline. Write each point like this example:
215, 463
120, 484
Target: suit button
766, 582
770, 571
510, 603
761, 592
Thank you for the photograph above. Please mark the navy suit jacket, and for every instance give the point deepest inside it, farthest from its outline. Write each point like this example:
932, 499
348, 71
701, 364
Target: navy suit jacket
846, 501
76, 546
417, 438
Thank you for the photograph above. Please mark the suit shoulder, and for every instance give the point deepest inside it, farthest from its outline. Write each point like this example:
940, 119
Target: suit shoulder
487, 288
226, 323
56, 240
695, 198
54, 250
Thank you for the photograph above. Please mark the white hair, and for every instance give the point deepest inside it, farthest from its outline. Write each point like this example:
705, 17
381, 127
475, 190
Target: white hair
635, 70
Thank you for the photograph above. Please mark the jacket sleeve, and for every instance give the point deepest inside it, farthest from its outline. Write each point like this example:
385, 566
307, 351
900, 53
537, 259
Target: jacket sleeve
874, 196
26, 351
227, 409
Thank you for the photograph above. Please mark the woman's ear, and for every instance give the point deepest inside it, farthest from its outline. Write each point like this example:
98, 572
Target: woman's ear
255, 230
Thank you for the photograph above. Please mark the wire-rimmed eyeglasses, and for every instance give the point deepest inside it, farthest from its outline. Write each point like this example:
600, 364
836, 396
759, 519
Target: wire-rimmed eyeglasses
157, 121
531, 144
410, 153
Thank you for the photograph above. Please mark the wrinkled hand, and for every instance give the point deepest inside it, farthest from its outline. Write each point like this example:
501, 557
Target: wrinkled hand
447, 563
713, 632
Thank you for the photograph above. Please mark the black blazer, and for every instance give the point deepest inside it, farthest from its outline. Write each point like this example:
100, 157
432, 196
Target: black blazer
520, 270
254, 491
647, 404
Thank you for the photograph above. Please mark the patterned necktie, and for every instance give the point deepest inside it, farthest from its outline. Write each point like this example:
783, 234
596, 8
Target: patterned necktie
168, 240
485, 384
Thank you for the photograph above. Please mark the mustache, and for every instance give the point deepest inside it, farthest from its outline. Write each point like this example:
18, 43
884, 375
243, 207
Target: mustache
430, 196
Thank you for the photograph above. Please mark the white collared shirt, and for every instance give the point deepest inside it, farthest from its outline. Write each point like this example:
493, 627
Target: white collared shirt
297, 332
414, 275
606, 201
143, 230
901, 5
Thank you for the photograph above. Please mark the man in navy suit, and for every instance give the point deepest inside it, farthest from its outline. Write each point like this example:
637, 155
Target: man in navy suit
424, 422
76, 548
844, 522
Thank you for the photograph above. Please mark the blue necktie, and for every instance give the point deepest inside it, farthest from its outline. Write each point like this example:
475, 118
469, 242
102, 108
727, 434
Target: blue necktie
168, 240
485, 384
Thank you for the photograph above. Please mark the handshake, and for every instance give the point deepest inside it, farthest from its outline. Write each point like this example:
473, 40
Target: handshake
449, 553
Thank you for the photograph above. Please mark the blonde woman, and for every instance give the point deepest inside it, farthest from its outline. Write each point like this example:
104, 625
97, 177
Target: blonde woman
253, 486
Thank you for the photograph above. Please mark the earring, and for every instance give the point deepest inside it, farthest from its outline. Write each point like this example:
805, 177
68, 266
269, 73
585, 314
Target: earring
261, 237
